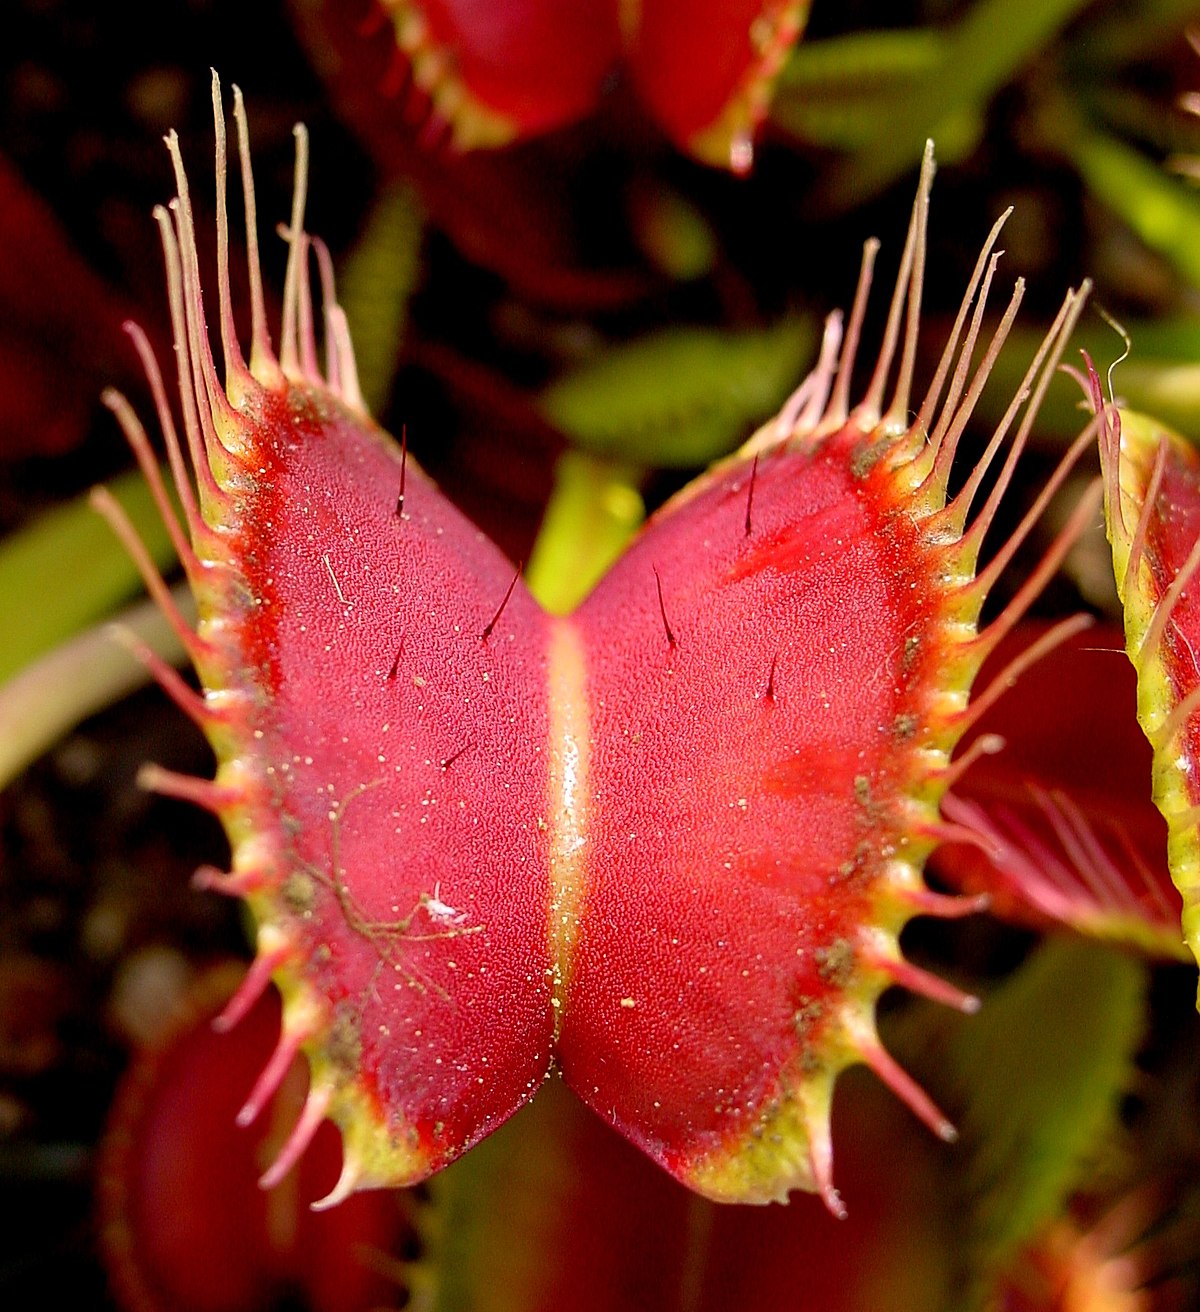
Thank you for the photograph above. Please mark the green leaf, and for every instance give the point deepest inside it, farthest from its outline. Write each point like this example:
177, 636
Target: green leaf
1037, 1077
832, 93
674, 234
375, 283
594, 510
1162, 210
504, 1219
681, 397
67, 570
78, 678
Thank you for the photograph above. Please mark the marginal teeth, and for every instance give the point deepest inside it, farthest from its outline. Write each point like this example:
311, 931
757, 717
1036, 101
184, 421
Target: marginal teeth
229, 883
300, 1024
906, 1089
273, 951
347, 1182
205, 793
315, 1107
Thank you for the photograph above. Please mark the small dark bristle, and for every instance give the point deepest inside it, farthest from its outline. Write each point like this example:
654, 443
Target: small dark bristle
491, 624
662, 610
449, 760
391, 674
769, 691
750, 494
403, 470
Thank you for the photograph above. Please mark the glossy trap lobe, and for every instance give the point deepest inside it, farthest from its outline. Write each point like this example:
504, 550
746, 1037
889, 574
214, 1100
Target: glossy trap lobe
668, 841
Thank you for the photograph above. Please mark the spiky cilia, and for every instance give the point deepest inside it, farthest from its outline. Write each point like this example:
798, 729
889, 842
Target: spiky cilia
681, 892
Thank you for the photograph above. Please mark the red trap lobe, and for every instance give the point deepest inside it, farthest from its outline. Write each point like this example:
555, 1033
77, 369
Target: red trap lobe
668, 841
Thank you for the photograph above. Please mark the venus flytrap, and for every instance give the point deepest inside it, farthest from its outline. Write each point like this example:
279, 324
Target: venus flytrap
663, 845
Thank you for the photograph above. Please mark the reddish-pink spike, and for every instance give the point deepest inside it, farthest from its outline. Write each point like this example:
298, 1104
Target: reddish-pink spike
1040, 374
252, 987
820, 1158
956, 413
262, 358
210, 490
306, 327
907, 289
199, 711
947, 906
103, 501
1089, 504
839, 405
1084, 513
490, 626
897, 413
315, 1108
235, 365
272, 1074
987, 744
229, 883
135, 435
908, 1091
289, 344
803, 409
193, 520
188, 788
204, 370
985, 268
947, 831
334, 369
984, 701
916, 980
1137, 545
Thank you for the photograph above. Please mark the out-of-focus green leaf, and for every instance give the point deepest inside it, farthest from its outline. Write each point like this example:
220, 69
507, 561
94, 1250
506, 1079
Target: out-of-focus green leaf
1163, 210
672, 232
67, 570
595, 509
680, 397
832, 93
1037, 1077
374, 285
1123, 34
977, 57
79, 677
477, 1255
